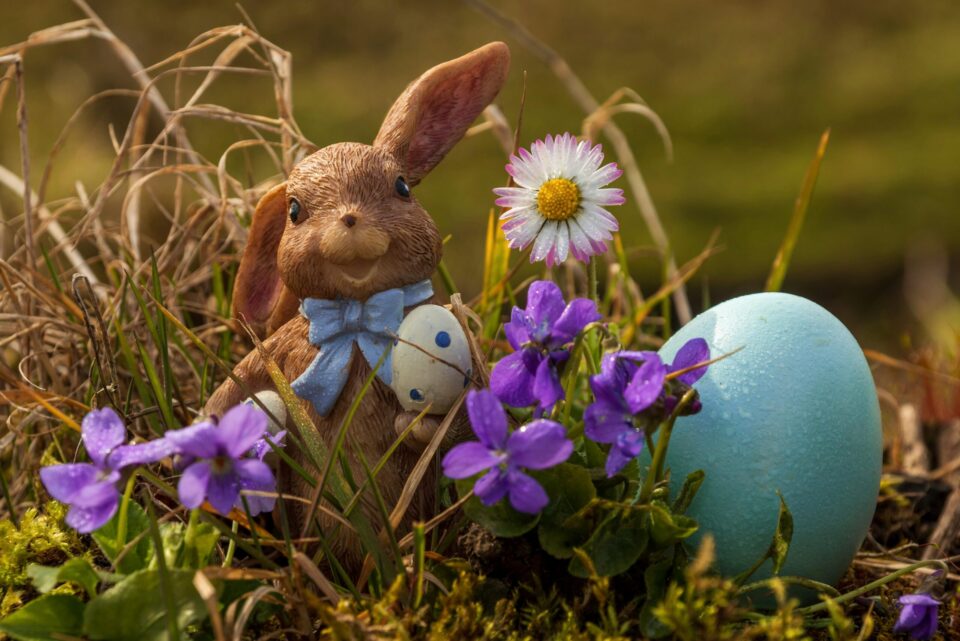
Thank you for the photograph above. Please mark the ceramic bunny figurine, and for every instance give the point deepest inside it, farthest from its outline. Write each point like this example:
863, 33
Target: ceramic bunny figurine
339, 252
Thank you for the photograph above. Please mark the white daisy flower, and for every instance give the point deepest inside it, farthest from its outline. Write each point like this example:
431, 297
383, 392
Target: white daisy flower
558, 203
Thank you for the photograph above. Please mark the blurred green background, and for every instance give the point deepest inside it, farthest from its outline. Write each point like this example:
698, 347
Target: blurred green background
745, 88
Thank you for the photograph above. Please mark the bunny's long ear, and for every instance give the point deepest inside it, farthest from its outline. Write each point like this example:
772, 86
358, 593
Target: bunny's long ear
436, 109
257, 288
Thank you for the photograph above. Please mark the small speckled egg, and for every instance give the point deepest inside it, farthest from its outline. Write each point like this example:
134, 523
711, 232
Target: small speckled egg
795, 410
276, 406
431, 361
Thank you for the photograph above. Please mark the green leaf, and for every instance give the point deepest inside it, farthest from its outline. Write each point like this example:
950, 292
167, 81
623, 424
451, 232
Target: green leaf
595, 456
107, 538
656, 578
689, 490
570, 489
46, 619
615, 545
133, 609
779, 269
667, 528
171, 535
76, 570
199, 543
780, 545
501, 519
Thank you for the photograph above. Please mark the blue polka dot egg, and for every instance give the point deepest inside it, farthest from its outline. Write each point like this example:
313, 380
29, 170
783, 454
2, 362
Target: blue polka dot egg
793, 411
431, 360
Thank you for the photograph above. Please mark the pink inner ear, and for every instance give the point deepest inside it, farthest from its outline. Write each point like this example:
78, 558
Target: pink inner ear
262, 296
443, 117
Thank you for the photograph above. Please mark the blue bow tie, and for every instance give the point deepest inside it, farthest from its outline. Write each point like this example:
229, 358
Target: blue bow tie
335, 325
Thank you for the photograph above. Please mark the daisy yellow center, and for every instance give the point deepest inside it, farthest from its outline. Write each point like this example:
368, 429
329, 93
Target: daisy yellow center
558, 199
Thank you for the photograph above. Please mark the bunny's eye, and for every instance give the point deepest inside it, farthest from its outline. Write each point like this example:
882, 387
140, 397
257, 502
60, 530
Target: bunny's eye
402, 187
294, 210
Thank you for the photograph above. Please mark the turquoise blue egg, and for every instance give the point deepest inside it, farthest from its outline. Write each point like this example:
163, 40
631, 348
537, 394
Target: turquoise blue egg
795, 410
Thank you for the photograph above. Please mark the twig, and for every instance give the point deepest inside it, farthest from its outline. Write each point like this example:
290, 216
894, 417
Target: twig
948, 525
916, 458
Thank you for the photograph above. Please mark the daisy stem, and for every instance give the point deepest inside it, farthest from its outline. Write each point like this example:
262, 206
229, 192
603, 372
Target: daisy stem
593, 280
655, 473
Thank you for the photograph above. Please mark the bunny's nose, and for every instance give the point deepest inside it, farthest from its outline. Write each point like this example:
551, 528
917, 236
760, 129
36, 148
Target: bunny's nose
348, 219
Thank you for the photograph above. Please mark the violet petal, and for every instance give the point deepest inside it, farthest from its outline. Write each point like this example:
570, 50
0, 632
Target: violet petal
240, 428
603, 422
546, 385
577, 315
89, 519
255, 503
491, 487
526, 495
141, 453
646, 385
512, 382
539, 445
102, 431
254, 471
693, 351
97, 493
64, 481
616, 461
223, 489
466, 459
199, 441
192, 487
544, 306
516, 329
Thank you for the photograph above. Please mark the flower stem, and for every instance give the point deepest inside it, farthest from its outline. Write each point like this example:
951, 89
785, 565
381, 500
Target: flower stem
853, 594
817, 586
655, 473
125, 509
189, 539
592, 269
231, 546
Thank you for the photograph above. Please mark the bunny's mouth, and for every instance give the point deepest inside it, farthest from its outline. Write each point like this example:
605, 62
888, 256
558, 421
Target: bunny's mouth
358, 270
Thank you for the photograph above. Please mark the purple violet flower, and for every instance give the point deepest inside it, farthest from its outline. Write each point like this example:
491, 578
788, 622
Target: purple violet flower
221, 467
90, 489
918, 617
630, 383
261, 448
538, 445
259, 504
539, 335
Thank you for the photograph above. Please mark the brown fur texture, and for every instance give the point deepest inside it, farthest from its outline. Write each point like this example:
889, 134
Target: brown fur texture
354, 236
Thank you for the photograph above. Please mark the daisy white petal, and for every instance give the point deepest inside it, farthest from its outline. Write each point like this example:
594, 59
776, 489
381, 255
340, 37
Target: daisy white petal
515, 196
544, 242
516, 212
579, 243
557, 203
562, 244
604, 218
523, 229
603, 176
605, 197
519, 168
594, 229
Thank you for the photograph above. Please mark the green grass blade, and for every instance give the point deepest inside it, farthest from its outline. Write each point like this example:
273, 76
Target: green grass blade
780, 264
156, 385
165, 585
